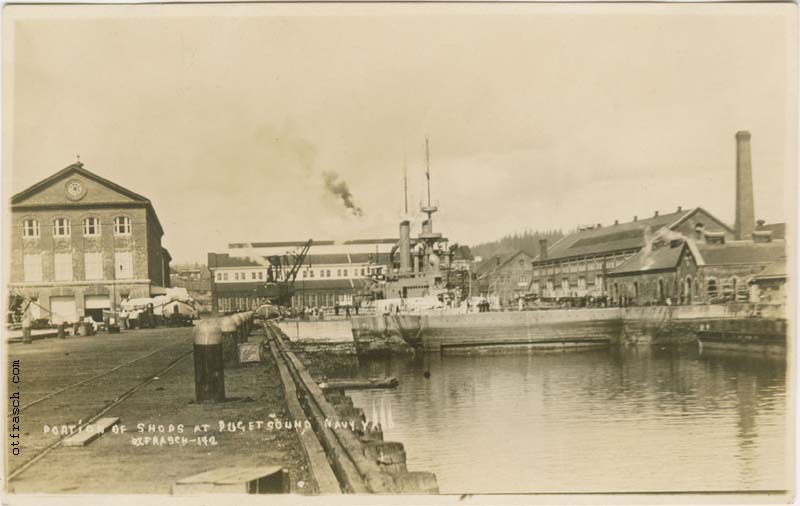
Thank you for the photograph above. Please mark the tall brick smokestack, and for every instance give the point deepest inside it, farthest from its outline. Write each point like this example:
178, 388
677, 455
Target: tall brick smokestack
745, 212
542, 249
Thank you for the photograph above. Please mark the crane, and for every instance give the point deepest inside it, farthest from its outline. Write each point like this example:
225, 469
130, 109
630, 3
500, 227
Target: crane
283, 271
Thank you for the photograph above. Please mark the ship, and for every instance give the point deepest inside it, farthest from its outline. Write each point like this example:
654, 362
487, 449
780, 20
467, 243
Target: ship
423, 301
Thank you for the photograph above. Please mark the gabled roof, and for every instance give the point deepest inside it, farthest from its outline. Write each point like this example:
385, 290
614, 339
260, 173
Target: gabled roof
497, 262
728, 253
663, 258
77, 168
619, 237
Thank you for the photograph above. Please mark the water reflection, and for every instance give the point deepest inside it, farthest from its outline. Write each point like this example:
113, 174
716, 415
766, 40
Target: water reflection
594, 421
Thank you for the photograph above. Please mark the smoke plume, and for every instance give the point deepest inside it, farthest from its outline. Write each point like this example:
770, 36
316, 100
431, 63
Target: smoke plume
340, 189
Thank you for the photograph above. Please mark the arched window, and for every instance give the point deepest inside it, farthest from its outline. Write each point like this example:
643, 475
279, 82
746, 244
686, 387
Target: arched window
122, 225
30, 228
711, 288
61, 227
91, 227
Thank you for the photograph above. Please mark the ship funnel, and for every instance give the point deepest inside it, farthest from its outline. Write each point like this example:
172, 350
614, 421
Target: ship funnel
405, 247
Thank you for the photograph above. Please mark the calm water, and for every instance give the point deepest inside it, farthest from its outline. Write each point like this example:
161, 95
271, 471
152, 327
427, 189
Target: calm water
597, 421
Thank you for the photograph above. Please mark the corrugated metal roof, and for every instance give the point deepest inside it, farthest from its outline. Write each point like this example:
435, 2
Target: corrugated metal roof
624, 236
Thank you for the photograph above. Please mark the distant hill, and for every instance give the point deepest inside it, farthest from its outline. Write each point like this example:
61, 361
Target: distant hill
527, 241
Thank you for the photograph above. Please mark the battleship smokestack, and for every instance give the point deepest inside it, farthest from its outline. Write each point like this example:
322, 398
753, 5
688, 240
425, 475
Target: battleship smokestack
405, 247
426, 227
745, 212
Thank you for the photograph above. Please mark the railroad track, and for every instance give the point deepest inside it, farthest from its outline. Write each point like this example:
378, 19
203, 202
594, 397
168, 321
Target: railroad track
96, 377
167, 357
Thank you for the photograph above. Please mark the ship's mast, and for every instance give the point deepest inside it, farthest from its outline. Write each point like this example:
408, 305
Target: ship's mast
428, 209
428, 171
405, 185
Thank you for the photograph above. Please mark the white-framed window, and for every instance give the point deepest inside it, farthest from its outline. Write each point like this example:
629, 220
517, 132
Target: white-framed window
219, 276
63, 266
123, 265
345, 273
93, 262
338, 273
565, 284
32, 265
225, 276
30, 228
260, 274
598, 282
236, 276
61, 227
253, 275
581, 283
122, 225
91, 226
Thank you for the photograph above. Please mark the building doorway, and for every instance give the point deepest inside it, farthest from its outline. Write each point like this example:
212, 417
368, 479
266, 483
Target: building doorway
95, 304
63, 309
687, 289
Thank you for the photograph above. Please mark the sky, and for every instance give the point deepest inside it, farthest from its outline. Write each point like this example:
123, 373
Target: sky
236, 123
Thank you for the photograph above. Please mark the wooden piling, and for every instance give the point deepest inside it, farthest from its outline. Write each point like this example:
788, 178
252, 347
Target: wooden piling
209, 370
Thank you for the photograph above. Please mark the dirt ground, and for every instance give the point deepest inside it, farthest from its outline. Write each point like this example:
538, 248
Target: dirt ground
166, 437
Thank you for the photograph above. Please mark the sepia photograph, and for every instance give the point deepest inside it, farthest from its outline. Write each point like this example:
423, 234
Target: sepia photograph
429, 252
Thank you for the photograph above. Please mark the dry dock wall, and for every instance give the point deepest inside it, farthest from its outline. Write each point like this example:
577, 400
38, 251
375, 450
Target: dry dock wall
404, 333
331, 330
654, 325
544, 328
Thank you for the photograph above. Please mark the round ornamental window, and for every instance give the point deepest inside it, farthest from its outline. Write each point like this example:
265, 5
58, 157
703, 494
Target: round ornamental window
75, 190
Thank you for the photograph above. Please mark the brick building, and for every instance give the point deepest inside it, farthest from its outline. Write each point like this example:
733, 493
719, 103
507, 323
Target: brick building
506, 277
332, 272
577, 264
707, 271
81, 243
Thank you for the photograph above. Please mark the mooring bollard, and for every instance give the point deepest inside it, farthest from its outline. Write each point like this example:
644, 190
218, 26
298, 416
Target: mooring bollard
62, 331
230, 345
209, 369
